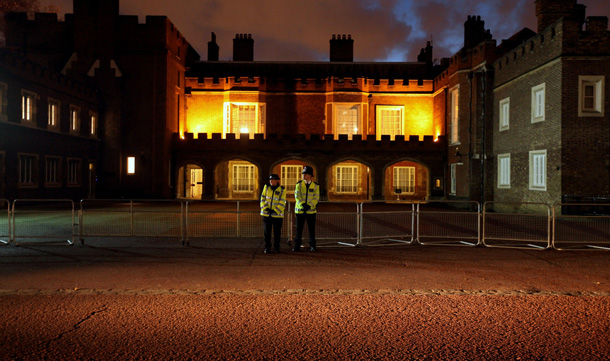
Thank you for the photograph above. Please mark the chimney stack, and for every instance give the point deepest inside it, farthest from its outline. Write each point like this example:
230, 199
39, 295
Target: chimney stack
243, 47
213, 49
342, 48
549, 11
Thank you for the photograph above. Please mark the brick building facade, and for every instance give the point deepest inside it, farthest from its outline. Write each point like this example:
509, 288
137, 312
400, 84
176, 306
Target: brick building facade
522, 121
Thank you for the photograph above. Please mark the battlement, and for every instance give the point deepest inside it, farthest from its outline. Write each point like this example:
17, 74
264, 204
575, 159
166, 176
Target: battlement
301, 142
310, 84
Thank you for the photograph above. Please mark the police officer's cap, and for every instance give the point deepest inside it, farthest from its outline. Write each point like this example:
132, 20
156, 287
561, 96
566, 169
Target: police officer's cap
274, 176
307, 170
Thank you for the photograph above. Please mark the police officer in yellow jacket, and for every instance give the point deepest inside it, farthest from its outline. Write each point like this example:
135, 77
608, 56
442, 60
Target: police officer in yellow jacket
307, 196
273, 204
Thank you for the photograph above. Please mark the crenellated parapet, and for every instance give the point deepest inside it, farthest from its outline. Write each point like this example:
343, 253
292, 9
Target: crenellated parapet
313, 142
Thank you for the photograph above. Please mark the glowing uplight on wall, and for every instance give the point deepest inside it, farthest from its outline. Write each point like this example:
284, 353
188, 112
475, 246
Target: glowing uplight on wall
131, 165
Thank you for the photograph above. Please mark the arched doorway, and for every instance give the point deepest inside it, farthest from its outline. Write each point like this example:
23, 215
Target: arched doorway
190, 179
406, 180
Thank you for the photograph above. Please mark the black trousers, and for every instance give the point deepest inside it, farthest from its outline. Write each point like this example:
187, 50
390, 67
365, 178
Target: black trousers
270, 223
311, 227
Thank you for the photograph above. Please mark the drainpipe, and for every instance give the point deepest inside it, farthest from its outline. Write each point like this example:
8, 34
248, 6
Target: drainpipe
483, 101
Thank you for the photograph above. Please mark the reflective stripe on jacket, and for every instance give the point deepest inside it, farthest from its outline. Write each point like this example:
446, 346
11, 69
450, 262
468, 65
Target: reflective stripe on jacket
303, 195
274, 200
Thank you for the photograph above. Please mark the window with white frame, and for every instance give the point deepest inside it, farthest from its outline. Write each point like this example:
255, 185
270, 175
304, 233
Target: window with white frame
537, 162
74, 172
93, 123
74, 119
538, 101
27, 169
347, 120
454, 95
248, 118
404, 180
453, 189
53, 114
504, 114
346, 178
291, 174
51, 171
28, 106
390, 120
503, 170
243, 178
591, 96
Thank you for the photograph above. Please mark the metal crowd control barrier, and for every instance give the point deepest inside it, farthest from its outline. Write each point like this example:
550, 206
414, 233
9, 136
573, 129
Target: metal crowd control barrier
5, 224
449, 222
131, 218
42, 219
581, 226
227, 219
526, 223
336, 223
386, 222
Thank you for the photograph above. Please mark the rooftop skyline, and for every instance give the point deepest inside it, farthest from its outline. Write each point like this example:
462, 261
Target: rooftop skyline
383, 30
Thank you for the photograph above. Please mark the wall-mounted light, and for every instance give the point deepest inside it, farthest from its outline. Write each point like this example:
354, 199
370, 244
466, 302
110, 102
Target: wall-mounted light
131, 165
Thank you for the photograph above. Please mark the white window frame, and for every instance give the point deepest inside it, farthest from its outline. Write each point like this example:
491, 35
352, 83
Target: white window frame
242, 184
538, 170
74, 119
504, 171
453, 187
290, 175
382, 128
346, 177
74, 171
538, 103
504, 114
52, 171
339, 112
598, 85
454, 115
53, 113
27, 170
403, 179
229, 118
28, 107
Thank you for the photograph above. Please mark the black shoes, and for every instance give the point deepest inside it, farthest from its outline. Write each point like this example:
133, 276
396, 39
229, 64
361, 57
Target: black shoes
296, 249
312, 249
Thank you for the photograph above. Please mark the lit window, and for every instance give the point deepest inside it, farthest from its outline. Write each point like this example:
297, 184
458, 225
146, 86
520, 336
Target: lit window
28, 106
51, 171
348, 120
389, 121
74, 172
347, 179
503, 170
591, 96
504, 114
404, 179
131, 165
248, 118
53, 114
538, 100
454, 95
93, 130
243, 178
74, 119
291, 174
537, 170
27, 169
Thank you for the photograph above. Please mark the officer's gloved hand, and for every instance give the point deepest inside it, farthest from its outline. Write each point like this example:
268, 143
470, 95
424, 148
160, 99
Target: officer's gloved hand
267, 210
306, 207
273, 212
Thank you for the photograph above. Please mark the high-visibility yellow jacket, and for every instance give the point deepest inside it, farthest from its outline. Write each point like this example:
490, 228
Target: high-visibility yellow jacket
309, 196
273, 201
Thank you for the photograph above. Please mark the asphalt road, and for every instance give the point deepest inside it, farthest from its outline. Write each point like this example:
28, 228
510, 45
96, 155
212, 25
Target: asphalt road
225, 299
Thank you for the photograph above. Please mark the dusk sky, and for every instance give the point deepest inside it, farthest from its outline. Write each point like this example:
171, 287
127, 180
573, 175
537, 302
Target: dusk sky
293, 30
